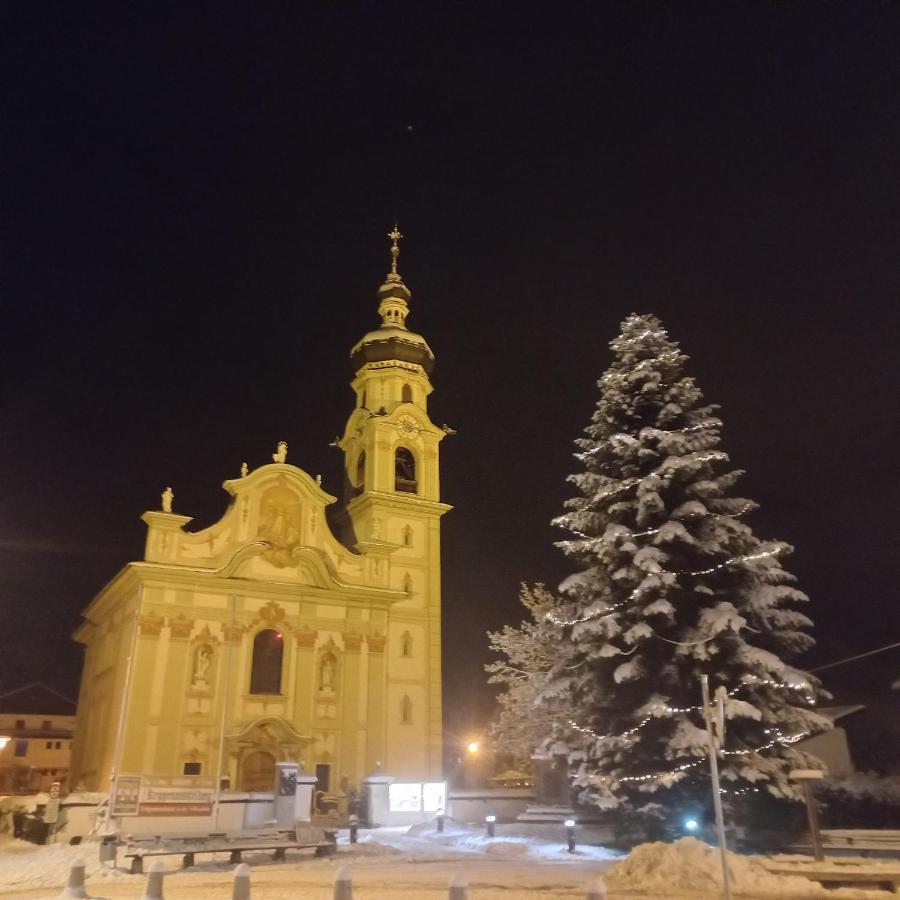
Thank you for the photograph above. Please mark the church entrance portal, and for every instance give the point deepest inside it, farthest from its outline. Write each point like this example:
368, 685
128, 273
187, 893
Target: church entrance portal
258, 771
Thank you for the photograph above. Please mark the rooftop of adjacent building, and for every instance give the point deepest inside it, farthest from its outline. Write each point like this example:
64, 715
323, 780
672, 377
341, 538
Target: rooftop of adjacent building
36, 699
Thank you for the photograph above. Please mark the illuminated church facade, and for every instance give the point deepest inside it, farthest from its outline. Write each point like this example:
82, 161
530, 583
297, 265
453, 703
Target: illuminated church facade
266, 637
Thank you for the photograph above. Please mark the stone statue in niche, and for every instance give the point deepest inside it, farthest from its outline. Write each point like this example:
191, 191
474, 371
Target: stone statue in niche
327, 673
202, 662
280, 455
168, 495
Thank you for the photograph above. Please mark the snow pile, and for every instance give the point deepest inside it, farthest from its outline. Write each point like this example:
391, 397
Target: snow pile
28, 865
695, 868
512, 841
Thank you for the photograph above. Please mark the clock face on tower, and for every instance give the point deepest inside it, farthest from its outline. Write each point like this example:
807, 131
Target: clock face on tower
407, 426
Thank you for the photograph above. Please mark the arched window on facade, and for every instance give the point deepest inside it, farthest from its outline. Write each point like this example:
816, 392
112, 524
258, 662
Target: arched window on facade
268, 653
406, 644
405, 471
406, 711
406, 394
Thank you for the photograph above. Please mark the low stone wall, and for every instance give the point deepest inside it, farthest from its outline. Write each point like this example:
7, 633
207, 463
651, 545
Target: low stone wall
504, 803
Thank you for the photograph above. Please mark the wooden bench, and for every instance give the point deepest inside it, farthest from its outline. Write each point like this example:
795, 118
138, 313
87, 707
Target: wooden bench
861, 840
195, 844
887, 880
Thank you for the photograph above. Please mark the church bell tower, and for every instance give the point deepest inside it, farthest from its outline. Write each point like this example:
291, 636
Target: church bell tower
391, 459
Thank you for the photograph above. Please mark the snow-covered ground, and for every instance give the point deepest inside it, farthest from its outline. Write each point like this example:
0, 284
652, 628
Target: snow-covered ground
523, 862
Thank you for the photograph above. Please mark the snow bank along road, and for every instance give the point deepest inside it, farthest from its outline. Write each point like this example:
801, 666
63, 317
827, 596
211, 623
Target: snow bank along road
522, 865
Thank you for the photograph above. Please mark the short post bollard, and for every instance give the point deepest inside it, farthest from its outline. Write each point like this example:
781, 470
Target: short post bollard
459, 888
489, 822
440, 821
570, 834
241, 888
343, 884
75, 887
596, 890
354, 829
154, 889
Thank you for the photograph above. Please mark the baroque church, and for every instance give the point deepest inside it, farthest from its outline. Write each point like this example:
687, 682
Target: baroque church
267, 637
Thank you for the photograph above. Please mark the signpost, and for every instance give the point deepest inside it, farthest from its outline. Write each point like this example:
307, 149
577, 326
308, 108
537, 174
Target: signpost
807, 777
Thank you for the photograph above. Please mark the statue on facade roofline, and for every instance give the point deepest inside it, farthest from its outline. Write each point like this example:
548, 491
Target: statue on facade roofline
168, 495
280, 455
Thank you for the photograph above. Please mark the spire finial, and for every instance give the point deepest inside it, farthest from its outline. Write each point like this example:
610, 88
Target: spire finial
395, 237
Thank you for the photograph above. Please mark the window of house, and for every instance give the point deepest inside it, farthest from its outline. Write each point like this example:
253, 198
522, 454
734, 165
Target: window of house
20, 723
268, 653
58, 745
405, 471
46, 725
21, 748
192, 768
49, 745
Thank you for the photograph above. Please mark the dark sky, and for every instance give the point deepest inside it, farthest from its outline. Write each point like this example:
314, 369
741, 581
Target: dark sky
194, 208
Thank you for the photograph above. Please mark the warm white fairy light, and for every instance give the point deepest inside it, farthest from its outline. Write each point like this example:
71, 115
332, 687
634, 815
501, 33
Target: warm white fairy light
660, 709
602, 613
735, 559
660, 775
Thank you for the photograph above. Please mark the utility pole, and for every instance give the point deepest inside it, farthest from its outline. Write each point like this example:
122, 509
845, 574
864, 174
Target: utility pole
714, 717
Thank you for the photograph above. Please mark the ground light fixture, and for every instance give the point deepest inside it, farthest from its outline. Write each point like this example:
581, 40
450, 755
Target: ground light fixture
570, 834
489, 822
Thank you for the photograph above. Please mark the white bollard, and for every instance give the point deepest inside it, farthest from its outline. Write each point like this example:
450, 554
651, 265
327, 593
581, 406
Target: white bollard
75, 887
154, 889
596, 890
343, 884
241, 889
459, 888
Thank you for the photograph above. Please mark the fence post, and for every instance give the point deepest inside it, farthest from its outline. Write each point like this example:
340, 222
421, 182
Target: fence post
154, 889
241, 889
75, 887
343, 884
596, 890
459, 888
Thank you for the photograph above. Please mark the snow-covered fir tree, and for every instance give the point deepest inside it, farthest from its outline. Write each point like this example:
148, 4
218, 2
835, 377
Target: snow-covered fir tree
672, 583
527, 652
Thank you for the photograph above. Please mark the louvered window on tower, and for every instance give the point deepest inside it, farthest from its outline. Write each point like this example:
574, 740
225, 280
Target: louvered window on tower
405, 471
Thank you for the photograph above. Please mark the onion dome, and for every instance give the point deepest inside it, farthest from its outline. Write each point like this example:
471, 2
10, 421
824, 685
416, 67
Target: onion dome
393, 340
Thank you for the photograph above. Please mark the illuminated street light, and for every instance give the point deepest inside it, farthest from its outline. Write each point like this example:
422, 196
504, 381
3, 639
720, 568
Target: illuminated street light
472, 747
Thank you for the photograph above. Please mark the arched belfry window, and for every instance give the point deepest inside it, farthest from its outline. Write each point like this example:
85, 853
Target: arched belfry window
361, 469
405, 471
406, 394
268, 653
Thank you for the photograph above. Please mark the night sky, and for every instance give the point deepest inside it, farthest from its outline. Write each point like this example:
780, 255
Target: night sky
194, 209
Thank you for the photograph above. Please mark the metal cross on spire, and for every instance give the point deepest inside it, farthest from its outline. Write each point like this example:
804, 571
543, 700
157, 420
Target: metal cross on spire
395, 236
